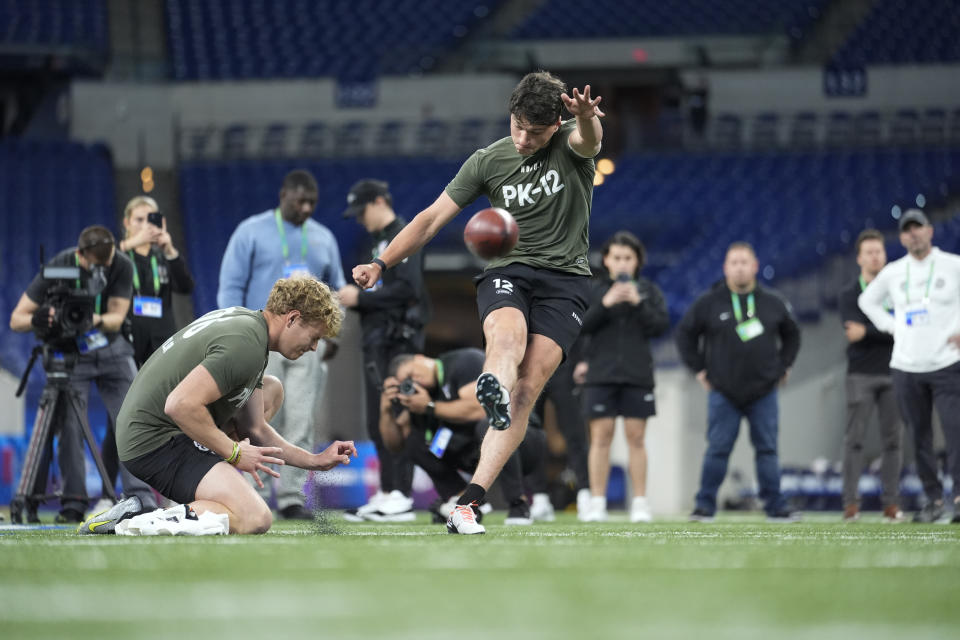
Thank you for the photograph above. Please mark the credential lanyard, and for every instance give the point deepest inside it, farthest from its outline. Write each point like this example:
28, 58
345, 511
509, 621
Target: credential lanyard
283, 239
926, 292
737, 312
96, 310
439, 372
153, 267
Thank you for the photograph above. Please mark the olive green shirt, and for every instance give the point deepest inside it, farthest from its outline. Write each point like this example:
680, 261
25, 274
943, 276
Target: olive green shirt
549, 194
231, 344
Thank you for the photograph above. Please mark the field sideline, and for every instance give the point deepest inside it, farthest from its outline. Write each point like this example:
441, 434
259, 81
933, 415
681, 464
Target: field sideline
737, 578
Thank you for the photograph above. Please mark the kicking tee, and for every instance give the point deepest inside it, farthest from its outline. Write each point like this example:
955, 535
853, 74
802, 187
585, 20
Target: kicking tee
549, 194
230, 343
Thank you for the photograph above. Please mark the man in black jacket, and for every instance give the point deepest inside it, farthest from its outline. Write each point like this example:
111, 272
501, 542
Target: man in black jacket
869, 384
392, 313
741, 340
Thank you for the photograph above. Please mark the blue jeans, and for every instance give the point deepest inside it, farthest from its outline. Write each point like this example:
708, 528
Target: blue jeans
723, 426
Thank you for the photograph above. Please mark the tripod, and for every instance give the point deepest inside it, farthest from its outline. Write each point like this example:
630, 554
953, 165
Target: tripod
32, 487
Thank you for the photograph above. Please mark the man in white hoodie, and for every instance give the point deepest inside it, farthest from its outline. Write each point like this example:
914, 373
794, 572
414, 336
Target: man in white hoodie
924, 287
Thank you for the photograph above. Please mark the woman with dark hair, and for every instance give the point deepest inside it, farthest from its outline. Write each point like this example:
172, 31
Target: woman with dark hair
625, 312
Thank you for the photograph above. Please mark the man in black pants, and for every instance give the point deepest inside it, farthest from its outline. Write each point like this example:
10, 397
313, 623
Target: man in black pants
869, 386
924, 289
392, 313
429, 409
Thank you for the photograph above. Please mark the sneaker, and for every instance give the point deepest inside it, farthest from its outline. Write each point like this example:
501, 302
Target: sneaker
931, 512
463, 520
68, 516
701, 515
851, 513
394, 507
892, 514
106, 521
583, 504
359, 514
519, 513
441, 510
639, 510
495, 401
541, 509
784, 516
597, 511
102, 505
296, 512
180, 520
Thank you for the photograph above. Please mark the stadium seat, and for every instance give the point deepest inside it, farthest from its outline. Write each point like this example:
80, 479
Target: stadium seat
274, 143
314, 140
867, 129
235, 141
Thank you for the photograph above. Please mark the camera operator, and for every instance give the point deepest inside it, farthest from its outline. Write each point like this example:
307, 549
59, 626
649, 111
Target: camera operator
104, 356
429, 409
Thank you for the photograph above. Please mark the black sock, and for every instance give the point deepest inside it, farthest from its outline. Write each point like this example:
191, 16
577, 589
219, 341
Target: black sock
473, 493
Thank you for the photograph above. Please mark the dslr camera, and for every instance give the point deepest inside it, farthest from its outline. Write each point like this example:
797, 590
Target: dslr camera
73, 306
406, 388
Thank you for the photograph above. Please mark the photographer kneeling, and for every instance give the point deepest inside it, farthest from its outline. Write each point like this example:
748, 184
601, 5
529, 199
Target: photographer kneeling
90, 328
429, 408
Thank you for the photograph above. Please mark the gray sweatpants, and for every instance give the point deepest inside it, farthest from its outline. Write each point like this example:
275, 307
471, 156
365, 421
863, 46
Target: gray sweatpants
917, 395
866, 392
304, 380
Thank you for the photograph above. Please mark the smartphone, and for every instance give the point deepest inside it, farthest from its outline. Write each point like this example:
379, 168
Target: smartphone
624, 277
156, 219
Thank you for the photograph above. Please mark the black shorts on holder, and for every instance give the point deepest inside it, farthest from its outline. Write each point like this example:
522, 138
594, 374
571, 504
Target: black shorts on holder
176, 468
612, 400
552, 302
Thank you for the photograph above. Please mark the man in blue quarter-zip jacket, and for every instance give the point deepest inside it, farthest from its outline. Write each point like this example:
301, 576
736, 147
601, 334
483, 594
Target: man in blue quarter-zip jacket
266, 247
741, 340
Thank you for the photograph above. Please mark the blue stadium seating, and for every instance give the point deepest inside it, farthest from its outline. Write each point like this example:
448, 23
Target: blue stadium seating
49, 191
797, 208
898, 32
42, 23
557, 19
351, 40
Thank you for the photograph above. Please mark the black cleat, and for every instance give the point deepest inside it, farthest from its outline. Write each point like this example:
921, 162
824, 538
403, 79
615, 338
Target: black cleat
495, 401
931, 512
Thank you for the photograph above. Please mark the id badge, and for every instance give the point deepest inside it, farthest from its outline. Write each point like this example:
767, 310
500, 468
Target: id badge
749, 329
292, 270
91, 341
440, 441
917, 317
148, 307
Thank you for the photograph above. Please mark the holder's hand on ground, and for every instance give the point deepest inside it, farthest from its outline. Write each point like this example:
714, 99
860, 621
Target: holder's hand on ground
366, 275
337, 453
580, 105
254, 459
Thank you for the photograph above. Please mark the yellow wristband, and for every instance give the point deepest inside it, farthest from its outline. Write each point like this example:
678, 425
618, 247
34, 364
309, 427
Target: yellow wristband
235, 455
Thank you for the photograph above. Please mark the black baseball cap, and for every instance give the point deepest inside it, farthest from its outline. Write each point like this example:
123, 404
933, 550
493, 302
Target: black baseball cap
913, 215
363, 193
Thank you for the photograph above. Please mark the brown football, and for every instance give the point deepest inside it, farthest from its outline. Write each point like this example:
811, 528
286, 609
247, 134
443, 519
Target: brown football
491, 233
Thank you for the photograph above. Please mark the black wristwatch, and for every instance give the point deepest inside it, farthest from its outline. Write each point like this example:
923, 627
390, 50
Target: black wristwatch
380, 263
431, 408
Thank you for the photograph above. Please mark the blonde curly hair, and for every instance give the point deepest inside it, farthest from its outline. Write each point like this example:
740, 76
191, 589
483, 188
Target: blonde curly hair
312, 298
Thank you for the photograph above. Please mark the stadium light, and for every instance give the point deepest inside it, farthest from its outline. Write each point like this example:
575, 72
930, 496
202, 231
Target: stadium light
606, 166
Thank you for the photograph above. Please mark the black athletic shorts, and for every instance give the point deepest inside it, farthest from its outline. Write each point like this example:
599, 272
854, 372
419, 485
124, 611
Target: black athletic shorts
612, 400
176, 468
552, 302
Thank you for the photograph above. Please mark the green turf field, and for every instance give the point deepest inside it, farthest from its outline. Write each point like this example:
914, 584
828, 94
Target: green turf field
736, 578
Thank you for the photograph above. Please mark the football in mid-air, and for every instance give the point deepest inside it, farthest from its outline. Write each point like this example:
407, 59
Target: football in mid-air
491, 233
